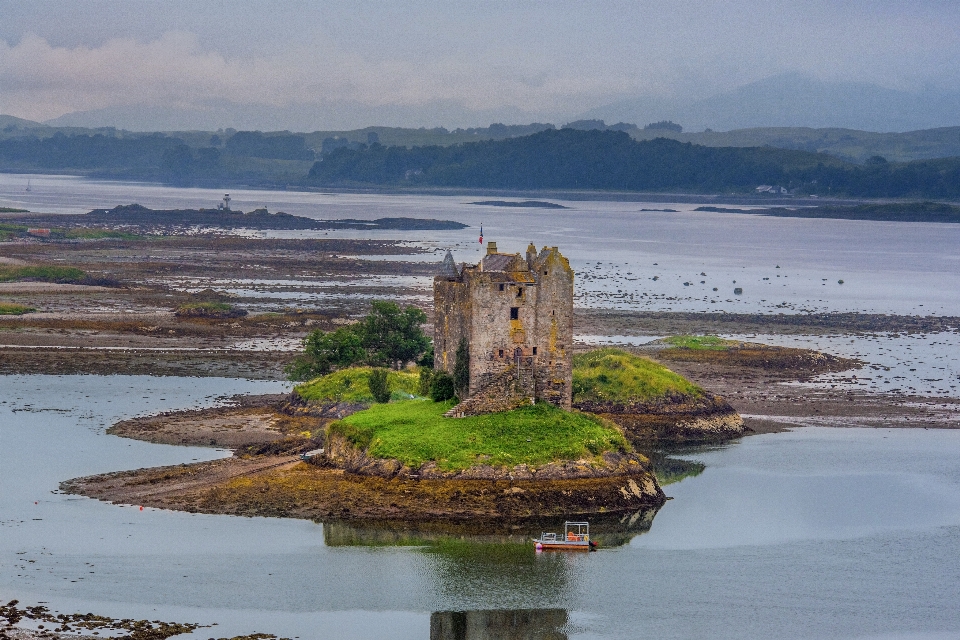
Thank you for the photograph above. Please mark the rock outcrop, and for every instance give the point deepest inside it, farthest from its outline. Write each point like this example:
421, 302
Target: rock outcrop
674, 418
613, 482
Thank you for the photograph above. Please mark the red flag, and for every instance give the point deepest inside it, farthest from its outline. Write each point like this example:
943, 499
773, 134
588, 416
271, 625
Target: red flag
481, 234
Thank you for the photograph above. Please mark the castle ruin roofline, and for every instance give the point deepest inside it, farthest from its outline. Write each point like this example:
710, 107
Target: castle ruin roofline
515, 313
448, 268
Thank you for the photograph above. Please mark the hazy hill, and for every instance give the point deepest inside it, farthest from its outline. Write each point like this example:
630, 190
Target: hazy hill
12, 123
794, 100
848, 144
215, 114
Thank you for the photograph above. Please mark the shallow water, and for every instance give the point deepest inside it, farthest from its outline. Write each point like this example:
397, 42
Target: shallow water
815, 533
616, 249
925, 364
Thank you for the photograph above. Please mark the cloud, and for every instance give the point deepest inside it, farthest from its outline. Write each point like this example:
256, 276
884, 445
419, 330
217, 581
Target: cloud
553, 59
42, 81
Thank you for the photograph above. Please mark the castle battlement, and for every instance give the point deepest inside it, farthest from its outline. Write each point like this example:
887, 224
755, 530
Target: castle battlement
515, 312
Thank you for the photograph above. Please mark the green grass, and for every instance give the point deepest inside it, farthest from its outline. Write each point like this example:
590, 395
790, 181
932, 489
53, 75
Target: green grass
98, 234
415, 432
7, 309
352, 385
615, 375
710, 343
9, 231
42, 274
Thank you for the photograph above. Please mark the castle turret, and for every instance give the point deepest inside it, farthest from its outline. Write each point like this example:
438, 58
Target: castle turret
448, 268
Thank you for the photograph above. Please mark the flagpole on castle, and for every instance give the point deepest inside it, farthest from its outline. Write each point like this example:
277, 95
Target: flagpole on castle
481, 233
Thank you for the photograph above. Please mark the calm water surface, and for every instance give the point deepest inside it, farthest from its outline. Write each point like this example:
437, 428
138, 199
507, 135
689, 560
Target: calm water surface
842, 533
615, 248
816, 533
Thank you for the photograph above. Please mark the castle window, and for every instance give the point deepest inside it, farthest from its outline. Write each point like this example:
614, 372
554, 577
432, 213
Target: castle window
534, 351
519, 292
501, 287
514, 313
544, 273
500, 353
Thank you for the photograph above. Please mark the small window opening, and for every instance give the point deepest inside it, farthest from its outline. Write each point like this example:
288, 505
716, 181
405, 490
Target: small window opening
534, 351
500, 353
514, 313
554, 312
501, 287
519, 292
544, 273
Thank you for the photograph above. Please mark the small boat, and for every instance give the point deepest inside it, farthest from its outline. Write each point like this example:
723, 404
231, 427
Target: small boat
576, 537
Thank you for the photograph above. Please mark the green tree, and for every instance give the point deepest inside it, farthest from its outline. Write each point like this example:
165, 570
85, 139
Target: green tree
392, 335
426, 360
379, 387
441, 387
325, 351
423, 385
461, 369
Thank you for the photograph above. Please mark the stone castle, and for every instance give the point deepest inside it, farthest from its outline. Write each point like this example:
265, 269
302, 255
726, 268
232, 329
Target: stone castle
516, 315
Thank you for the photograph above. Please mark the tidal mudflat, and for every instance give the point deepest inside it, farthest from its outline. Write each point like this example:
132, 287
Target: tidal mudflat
813, 532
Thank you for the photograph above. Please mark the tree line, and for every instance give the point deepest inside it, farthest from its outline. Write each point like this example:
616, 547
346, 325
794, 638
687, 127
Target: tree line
612, 160
550, 159
154, 156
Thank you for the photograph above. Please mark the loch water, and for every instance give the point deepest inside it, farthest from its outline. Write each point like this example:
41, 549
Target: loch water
841, 533
617, 248
814, 533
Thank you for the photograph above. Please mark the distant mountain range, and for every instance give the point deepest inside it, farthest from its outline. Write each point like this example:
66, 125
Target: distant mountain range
219, 114
786, 100
795, 100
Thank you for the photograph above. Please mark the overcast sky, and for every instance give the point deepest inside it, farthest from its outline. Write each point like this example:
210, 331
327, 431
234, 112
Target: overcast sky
518, 60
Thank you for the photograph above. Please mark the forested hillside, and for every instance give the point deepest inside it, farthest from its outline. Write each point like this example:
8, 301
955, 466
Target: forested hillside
611, 160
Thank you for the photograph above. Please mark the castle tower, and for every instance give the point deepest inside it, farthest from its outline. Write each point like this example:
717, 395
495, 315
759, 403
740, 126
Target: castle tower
515, 314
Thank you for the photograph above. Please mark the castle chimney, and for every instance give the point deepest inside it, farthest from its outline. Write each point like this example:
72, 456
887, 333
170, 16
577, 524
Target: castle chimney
491, 248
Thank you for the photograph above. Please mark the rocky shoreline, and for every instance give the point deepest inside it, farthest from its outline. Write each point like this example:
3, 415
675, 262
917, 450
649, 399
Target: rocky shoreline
266, 476
284, 486
672, 420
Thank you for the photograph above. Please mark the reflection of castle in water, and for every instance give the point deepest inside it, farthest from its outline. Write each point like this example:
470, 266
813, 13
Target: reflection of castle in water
609, 530
509, 624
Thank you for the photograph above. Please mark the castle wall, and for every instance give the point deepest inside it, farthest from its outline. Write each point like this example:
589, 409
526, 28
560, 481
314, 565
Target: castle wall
495, 337
519, 315
452, 308
553, 333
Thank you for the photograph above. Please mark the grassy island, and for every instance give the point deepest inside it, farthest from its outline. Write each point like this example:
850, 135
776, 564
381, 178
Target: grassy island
415, 432
615, 375
69, 275
353, 385
10, 309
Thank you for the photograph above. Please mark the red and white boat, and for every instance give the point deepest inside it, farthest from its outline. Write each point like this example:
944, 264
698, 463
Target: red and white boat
576, 537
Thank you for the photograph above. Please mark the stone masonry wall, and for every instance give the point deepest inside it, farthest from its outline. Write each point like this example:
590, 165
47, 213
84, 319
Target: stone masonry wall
513, 312
452, 305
